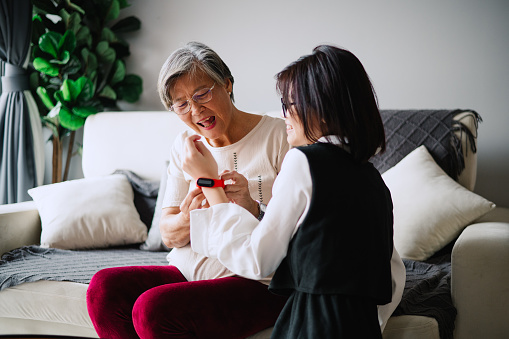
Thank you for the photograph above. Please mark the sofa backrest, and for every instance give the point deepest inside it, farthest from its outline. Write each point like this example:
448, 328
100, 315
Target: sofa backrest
138, 141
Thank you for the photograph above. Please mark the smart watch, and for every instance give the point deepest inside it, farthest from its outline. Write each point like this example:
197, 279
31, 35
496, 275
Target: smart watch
206, 182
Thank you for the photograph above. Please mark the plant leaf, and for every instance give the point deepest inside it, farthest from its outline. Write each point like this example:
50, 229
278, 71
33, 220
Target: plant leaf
69, 120
129, 24
85, 89
123, 4
49, 43
46, 100
108, 35
75, 7
108, 93
118, 72
83, 37
105, 52
90, 61
68, 90
84, 111
59, 96
113, 11
73, 66
65, 56
130, 89
44, 66
67, 42
73, 23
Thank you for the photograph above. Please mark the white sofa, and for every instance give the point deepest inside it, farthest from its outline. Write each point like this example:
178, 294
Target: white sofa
140, 141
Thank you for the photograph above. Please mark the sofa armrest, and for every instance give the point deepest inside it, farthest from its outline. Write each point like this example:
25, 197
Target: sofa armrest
480, 277
20, 225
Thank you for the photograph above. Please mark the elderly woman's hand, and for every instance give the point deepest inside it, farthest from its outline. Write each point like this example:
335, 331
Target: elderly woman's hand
238, 191
198, 161
174, 223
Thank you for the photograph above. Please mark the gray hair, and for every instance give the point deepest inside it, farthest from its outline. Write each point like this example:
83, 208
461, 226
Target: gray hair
189, 59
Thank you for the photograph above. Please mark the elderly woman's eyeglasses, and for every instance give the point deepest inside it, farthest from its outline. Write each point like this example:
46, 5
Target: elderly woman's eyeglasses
200, 97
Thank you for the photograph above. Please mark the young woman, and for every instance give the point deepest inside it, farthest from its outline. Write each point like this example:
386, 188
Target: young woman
328, 229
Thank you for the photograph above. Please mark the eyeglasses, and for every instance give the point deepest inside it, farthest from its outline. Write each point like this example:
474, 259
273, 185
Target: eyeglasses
200, 97
285, 108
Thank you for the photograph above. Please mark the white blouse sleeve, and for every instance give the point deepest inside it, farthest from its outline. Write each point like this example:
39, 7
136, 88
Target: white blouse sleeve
239, 241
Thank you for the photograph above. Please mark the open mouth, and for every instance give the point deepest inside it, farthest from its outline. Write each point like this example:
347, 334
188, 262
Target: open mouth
207, 123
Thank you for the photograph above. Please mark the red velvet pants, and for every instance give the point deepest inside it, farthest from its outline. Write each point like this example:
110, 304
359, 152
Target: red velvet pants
158, 302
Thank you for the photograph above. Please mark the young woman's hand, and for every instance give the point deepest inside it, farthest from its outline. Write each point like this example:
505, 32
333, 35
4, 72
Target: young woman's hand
198, 161
238, 191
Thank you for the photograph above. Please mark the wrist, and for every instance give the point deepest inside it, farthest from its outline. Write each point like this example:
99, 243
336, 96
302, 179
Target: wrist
261, 210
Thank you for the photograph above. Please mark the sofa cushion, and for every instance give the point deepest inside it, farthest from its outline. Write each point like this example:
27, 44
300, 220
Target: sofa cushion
154, 241
88, 213
430, 208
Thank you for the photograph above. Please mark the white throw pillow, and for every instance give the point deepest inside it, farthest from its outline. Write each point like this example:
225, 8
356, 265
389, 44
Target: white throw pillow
88, 213
430, 208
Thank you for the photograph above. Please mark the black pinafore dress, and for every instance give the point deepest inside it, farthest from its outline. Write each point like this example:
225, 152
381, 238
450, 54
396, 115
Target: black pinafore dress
337, 269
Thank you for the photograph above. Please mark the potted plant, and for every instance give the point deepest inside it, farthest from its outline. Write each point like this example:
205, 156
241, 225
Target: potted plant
78, 66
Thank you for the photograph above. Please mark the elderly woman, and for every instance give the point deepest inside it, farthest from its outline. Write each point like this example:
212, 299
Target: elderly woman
195, 296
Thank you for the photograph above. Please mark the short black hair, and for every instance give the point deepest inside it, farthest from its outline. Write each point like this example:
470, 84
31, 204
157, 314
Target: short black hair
330, 91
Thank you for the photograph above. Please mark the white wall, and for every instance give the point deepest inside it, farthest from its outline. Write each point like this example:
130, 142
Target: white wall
419, 54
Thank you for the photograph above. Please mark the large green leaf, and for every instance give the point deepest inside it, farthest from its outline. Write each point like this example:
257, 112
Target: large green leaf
83, 37
59, 96
65, 56
69, 120
84, 111
73, 22
68, 90
67, 42
49, 43
79, 90
125, 25
85, 88
44, 66
108, 93
118, 72
75, 7
72, 67
105, 52
90, 61
108, 35
113, 11
123, 4
130, 89
46, 100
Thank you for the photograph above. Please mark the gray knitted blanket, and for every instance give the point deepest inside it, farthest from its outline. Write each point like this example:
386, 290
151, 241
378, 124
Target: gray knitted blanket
34, 263
405, 130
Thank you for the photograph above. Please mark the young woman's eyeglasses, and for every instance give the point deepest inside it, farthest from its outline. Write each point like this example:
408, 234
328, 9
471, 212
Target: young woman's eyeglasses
200, 97
285, 108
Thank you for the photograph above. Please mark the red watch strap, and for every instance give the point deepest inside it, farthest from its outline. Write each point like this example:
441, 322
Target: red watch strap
207, 182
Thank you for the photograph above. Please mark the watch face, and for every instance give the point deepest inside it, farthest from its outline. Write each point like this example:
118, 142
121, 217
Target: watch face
205, 182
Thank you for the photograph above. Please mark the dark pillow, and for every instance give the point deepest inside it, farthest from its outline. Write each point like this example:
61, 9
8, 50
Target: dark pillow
145, 195
405, 130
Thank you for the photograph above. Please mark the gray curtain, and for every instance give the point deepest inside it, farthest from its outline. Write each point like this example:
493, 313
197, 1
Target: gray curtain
20, 127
